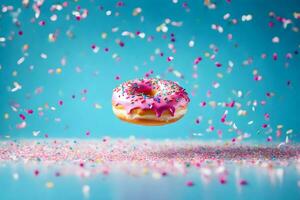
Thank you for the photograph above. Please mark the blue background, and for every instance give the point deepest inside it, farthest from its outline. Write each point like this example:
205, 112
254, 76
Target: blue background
250, 40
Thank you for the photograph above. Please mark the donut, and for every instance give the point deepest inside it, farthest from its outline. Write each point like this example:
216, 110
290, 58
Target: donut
149, 101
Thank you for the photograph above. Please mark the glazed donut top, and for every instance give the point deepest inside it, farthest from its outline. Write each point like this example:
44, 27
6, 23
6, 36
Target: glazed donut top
150, 94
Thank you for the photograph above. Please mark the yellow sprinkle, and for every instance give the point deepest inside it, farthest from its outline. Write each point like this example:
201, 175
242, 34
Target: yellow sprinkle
49, 184
58, 70
145, 170
6, 115
279, 126
97, 106
14, 73
136, 11
219, 75
25, 47
104, 35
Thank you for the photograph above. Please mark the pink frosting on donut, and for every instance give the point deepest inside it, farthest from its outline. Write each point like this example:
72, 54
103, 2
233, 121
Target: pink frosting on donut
150, 94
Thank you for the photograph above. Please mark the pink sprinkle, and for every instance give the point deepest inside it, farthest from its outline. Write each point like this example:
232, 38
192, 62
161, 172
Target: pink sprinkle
267, 116
30, 111
36, 172
197, 60
20, 33
122, 44
265, 125
120, 3
223, 118
229, 36
223, 180
257, 77
271, 24
269, 139
233, 140
88, 133
218, 64
190, 183
275, 56
278, 133
46, 135
243, 182
263, 56
170, 58
105, 171
288, 56
117, 77
203, 103
93, 46
22, 116
231, 104
42, 23
220, 133
60, 102
78, 18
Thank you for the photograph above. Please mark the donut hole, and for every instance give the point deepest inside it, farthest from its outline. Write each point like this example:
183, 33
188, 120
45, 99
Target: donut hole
149, 93
145, 91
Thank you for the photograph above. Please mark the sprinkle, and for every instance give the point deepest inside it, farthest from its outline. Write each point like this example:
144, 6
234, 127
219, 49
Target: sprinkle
21, 60
49, 184
36, 172
21, 125
44, 56
17, 87
170, 58
191, 43
15, 176
86, 190
189, 183
275, 39
36, 133
243, 182
246, 18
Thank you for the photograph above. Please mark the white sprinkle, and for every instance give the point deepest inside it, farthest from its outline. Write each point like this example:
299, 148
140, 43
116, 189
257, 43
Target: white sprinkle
15, 176
275, 39
250, 122
44, 56
108, 13
246, 17
86, 190
191, 43
226, 16
53, 17
35, 133
21, 125
21, 60
17, 87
